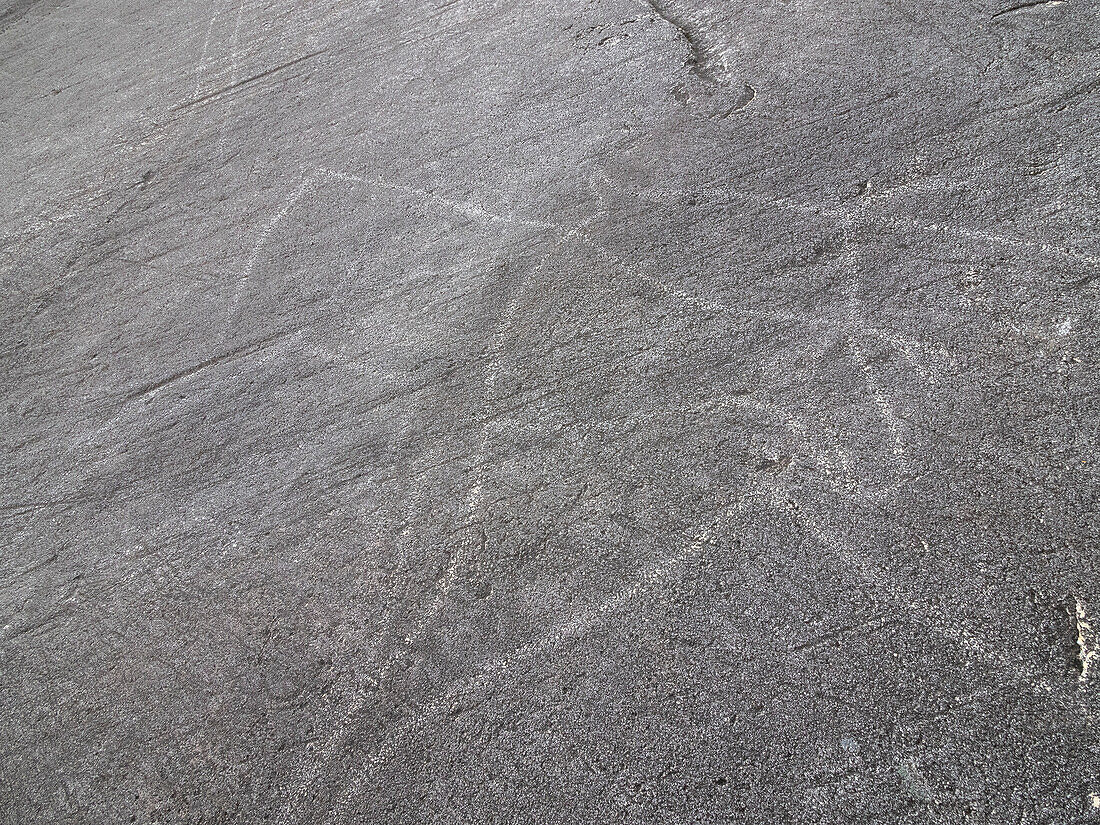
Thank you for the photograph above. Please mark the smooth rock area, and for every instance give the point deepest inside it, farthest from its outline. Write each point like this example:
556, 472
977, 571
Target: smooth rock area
468, 411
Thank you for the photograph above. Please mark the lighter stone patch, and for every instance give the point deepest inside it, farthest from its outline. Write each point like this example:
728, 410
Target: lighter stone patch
1088, 644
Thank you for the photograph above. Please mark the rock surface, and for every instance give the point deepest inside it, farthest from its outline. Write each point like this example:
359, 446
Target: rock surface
480, 411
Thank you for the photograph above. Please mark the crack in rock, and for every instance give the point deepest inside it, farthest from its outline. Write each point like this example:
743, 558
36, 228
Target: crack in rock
1033, 4
699, 60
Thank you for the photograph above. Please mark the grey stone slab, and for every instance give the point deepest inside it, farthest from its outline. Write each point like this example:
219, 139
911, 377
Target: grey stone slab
470, 411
